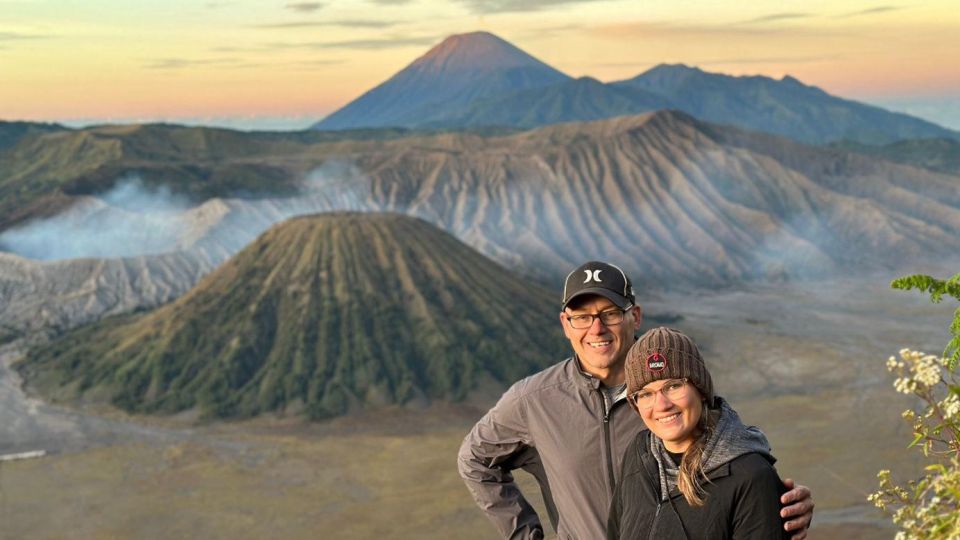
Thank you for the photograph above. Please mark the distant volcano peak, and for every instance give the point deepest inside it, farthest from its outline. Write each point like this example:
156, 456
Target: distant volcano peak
460, 69
474, 51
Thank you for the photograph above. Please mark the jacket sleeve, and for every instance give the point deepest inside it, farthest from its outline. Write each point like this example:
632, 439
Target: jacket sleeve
498, 444
757, 511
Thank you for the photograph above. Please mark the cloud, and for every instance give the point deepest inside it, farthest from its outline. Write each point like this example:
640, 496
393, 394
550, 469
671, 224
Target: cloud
684, 31
391, 2
362, 44
13, 36
179, 63
546, 32
871, 11
504, 6
304, 7
664, 30
778, 17
317, 62
236, 49
350, 23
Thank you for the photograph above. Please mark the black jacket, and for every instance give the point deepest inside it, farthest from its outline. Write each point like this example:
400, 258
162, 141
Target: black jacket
743, 501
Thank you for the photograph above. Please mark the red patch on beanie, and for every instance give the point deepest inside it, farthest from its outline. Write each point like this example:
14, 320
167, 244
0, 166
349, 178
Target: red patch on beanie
656, 362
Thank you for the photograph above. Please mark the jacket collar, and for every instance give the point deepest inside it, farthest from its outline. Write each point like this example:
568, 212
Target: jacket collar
581, 377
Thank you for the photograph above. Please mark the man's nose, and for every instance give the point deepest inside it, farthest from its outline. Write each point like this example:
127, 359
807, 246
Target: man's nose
597, 326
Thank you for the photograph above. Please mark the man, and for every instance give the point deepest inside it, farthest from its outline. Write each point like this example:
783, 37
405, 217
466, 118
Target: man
569, 425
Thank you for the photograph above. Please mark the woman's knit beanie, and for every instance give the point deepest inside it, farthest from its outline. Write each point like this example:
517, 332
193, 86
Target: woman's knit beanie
665, 353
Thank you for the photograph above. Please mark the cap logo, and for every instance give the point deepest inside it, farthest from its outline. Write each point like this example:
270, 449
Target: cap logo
656, 362
592, 275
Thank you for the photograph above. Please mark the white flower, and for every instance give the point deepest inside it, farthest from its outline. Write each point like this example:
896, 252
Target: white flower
950, 406
905, 385
927, 370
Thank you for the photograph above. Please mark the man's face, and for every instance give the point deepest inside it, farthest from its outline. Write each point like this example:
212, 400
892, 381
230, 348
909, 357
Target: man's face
599, 347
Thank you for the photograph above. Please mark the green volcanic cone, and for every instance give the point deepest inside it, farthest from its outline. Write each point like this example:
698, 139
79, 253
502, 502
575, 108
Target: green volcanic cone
324, 314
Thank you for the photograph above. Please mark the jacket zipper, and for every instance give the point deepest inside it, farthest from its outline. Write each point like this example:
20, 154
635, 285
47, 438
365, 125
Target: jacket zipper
653, 526
609, 444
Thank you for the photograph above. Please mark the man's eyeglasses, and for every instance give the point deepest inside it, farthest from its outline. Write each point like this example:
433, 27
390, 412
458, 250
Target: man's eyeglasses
610, 317
673, 390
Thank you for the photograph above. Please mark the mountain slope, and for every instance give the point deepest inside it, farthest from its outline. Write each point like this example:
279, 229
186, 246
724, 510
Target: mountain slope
941, 155
576, 100
323, 313
680, 200
46, 298
11, 132
785, 107
454, 73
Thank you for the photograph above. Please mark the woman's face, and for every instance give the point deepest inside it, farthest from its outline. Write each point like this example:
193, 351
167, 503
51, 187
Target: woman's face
674, 414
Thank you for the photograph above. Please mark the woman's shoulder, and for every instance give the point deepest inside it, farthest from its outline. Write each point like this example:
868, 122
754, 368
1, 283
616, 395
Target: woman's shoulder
752, 463
756, 469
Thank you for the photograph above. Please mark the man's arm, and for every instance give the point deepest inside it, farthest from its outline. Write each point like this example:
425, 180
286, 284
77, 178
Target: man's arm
498, 444
799, 506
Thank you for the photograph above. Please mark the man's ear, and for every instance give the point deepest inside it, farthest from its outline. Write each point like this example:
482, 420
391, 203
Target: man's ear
563, 322
637, 317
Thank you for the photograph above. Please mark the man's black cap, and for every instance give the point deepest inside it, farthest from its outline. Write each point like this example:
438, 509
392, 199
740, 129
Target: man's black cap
600, 278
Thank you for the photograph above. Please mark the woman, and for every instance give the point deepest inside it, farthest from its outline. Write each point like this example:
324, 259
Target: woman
697, 472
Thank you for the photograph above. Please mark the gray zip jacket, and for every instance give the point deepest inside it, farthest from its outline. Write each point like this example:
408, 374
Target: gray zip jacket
558, 426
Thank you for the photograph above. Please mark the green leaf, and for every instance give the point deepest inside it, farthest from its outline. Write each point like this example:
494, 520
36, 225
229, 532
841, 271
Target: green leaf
936, 288
916, 440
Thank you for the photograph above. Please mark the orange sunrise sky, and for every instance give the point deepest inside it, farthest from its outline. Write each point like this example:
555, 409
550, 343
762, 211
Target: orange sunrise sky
267, 64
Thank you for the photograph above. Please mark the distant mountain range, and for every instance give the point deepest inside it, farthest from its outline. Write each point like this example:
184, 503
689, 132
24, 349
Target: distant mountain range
677, 201
941, 155
478, 79
320, 315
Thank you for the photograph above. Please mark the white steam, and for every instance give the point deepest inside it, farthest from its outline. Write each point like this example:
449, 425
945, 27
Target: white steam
128, 220
132, 219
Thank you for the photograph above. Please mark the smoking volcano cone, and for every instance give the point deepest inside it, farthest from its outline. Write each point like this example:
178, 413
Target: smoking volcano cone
323, 314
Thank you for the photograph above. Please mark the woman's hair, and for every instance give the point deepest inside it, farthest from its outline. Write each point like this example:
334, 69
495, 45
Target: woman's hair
691, 476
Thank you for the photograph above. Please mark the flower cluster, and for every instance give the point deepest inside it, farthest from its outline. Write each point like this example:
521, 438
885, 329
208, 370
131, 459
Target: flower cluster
927, 507
917, 371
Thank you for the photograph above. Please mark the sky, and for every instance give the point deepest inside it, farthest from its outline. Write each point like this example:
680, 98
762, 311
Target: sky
268, 64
